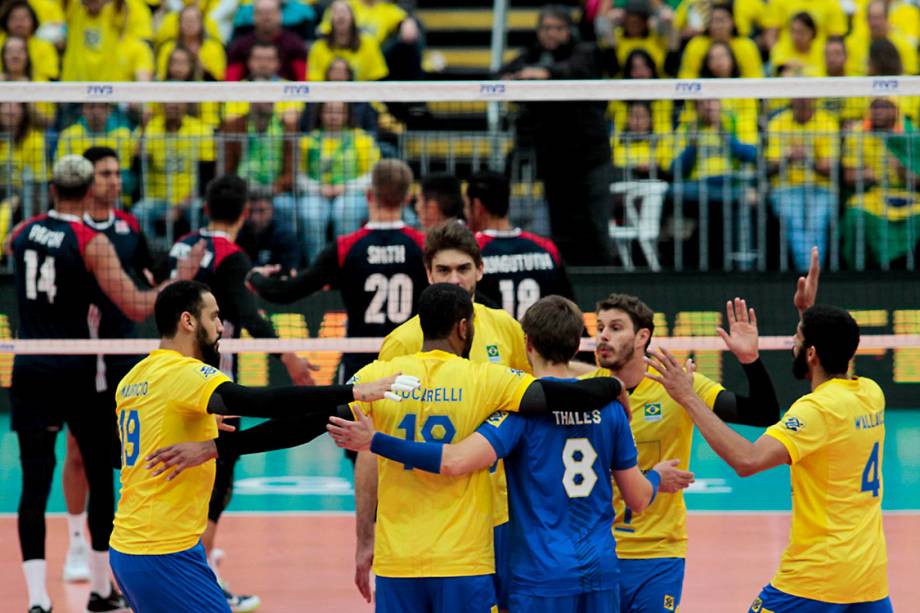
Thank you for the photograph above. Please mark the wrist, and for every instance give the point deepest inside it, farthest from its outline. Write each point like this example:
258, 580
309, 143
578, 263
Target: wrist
655, 479
749, 358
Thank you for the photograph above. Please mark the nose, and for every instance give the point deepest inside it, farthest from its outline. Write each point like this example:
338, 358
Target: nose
454, 278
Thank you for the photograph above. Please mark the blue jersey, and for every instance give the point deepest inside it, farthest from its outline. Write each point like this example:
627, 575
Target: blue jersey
560, 496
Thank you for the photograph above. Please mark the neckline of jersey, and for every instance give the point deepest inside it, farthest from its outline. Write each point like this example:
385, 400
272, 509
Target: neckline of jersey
54, 214
848, 382
213, 233
438, 353
385, 225
513, 232
99, 225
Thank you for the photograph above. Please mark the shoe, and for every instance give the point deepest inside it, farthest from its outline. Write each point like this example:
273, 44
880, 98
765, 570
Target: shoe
76, 566
240, 603
38, 609
113, 603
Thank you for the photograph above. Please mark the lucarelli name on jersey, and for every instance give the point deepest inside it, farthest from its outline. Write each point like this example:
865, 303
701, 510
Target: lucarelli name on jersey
44, 236
577, 418
518, 262
386, 254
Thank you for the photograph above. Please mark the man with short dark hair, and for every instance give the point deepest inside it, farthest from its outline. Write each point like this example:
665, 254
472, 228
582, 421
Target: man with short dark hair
224, 269
518, 267
438, 556
171, 396
833, 438
266, 240
267, 28
61, 265
440, 200
653, 546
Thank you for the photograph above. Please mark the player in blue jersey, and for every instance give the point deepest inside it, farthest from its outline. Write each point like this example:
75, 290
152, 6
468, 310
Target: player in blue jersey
560, 495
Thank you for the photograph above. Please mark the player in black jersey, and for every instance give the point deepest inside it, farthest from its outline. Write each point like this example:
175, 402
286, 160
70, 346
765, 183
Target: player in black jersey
379, 269
58, 260
440, 200
519, 267
224, 268
108, 322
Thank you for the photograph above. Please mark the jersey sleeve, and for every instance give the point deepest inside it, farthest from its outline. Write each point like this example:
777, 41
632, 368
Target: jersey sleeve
503, 430
706, 388
393, 346
193, 385
802, 430
625, 454
501, 388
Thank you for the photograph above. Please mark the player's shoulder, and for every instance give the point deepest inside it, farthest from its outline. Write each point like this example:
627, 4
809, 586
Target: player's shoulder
544, 243
129, 219
346, 242
499, 317
597, 372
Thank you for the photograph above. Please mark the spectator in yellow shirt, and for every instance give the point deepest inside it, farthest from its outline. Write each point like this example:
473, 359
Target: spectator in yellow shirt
182, 65
22, 151
844, 110
334, 164
638, 152
106, 41
98, 126
802, 51
20, 20
721, 28
640, 65
344, 40
193, 36
879, 29
801, 154
633, 30
827, 15
178, 161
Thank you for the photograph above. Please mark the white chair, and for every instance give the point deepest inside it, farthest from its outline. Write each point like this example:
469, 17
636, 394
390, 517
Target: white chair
641, 223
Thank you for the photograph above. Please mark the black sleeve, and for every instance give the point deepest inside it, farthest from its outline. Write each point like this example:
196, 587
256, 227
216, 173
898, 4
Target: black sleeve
273, 434
584, 63
288, 289
232, 273
206, 172
586, 395
285, 401
760, 408
142, 258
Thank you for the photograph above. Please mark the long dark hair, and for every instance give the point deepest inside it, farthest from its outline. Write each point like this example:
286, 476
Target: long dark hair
317, 116
25, 126
645, 55
706, 71
25, 43
354, 35
7, 9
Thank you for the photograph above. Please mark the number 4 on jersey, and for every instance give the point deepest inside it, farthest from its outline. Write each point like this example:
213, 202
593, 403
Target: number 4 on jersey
870, 476
39, 279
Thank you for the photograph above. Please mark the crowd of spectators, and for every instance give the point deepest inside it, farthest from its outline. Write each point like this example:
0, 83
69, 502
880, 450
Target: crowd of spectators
313, 160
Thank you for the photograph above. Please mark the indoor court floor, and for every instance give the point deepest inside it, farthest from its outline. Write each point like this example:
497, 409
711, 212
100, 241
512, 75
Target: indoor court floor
289, 531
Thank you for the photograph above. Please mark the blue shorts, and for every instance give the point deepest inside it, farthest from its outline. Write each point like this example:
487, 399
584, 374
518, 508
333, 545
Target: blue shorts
607, 601
651, 585
169, 582
771, 600
475, 594
502, 576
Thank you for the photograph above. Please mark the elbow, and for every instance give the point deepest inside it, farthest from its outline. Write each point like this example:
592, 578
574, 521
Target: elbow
451, 465
745, 467
637, 506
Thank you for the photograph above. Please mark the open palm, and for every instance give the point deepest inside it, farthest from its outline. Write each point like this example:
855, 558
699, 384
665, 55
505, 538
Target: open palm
742, 337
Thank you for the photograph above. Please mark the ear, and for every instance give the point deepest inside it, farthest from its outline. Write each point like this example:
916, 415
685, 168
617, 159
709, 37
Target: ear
528, 344
463, 329
642, 337
186, 321
479, 271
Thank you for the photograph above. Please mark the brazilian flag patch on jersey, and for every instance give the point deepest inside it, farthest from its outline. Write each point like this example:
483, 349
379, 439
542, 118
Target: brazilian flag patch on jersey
793, 423
496, 418
668, 599
492, 353
652, 411
757, 605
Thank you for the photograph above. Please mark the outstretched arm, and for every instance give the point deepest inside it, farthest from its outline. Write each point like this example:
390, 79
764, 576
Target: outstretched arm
806, 289
288, 289
760, 407
589, 394
745, 457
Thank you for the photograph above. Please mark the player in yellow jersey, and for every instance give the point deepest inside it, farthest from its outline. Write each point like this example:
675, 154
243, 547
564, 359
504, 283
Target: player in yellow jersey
834, 438
652, 546
173, 395
451, 256
433, 549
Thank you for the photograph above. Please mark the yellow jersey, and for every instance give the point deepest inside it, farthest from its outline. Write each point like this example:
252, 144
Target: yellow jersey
835, 437
431, 525
77, 138
366, 61
23, 160
747, 55
819, 136
497, 338
94, 41
163, 400
174, 156
663, 431
381, 19
43, 56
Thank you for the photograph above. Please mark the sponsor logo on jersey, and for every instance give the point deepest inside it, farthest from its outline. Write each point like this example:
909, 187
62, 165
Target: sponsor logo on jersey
652, 411
668, 602
515, 371
757, 605
206, 371
496, 418
492, 353
793, 423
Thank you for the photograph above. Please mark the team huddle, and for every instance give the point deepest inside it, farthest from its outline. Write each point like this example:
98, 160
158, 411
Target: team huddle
494, 471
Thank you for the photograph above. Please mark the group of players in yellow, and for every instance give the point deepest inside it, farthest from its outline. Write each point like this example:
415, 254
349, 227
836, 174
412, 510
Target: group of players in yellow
429, 537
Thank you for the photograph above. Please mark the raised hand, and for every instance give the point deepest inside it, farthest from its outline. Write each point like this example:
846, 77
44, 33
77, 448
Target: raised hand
673, 479
353, 435
741, 338
676, 381
806, 289
299, 369
187, 268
